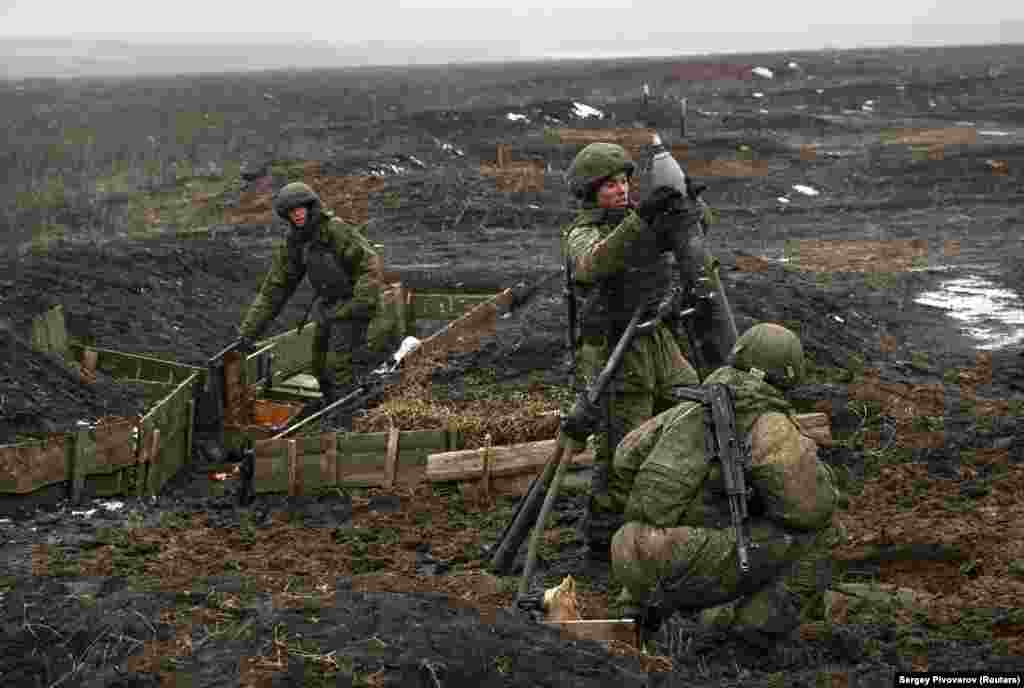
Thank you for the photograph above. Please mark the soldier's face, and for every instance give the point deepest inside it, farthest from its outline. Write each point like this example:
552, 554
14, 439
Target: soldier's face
614, 192
298, 216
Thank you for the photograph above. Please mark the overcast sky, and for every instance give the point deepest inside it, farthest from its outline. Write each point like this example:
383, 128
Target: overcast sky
533, 28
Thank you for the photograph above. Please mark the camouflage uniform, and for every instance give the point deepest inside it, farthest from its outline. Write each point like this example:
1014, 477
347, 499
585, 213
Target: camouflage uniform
346, 274
618, 263
677, 550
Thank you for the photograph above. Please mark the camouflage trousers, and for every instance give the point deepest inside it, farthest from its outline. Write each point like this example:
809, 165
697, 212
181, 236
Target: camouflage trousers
642, 389
691, 568
338, 346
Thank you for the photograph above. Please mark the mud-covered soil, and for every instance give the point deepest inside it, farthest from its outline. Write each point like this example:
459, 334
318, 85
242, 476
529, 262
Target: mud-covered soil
375, 588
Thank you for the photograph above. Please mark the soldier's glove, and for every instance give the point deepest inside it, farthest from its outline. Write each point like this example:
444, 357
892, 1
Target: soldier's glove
664, 199
246, 345
583, 421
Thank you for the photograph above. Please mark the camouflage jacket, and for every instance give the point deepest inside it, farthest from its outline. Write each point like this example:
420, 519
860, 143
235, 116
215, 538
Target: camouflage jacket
343, 268
617, 254
672, 482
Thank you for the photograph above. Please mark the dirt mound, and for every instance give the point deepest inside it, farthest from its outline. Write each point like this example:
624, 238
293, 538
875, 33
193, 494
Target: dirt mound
39, 393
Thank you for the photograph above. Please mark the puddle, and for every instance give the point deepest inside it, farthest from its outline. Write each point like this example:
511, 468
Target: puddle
990, 314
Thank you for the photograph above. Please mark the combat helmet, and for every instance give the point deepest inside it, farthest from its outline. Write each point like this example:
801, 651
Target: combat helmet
773, 350
292, 196
595, 163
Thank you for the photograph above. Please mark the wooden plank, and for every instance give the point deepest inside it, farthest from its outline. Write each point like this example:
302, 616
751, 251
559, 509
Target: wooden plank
482, 317
270, 466
122, 365
236, 406
424, 439
29, 466
83, 451
294, 472
391, 459
601, 630
515, 459
154, 475
329, 458
364, 442
114, 449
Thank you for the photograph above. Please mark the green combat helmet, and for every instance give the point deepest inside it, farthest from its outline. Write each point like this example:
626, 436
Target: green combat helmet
773, 350
594, 164
292, 196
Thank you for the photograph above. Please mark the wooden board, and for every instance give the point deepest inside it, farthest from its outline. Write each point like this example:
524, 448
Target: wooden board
601, 630
507, 460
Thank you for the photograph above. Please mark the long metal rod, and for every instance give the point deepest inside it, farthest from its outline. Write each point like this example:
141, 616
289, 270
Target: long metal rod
538, 528
289, 430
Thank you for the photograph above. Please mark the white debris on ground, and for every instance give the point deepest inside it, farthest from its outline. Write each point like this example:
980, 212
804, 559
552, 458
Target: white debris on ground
449, 148
806, 190
819, 91
408, 345
993, 132
583, 111
990, 314
533, 206
782, 199
837, 318
763, 72
793, 65
763, 111
378, 169
868, 106
758, 94
109, 506
517, 117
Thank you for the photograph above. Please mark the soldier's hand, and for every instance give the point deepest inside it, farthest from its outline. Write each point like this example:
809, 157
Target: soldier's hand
662, 200
246, 345
583, 421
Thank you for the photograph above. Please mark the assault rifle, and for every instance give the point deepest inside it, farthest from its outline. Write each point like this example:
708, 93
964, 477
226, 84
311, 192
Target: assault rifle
722, 444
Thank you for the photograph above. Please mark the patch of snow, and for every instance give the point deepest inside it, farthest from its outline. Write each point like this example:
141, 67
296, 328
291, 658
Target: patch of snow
112, 505
449, 148
837, 318
758, 94
793, 65
516, 117
993, 132
763, 111
782, 199
763, 72
806, 190
868, 106
992, 315
533, 206
931, 103
583, 111
819, 91
87, 513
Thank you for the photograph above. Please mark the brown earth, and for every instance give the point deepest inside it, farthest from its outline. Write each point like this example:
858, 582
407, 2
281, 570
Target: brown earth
389, 589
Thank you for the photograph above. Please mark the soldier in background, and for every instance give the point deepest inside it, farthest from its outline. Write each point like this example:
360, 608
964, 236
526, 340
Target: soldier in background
677, 551
617, 262
346, 275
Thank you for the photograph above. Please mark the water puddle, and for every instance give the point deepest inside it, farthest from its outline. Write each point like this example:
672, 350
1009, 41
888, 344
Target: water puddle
990, 314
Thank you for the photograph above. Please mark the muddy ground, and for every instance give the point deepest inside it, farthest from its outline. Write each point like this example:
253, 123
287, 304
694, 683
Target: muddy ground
368, 588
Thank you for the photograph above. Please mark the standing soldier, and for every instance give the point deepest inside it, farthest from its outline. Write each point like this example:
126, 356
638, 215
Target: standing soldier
617, 262
346, 274
678, 550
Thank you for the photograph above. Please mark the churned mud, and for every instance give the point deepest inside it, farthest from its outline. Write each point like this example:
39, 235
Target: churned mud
881, 271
